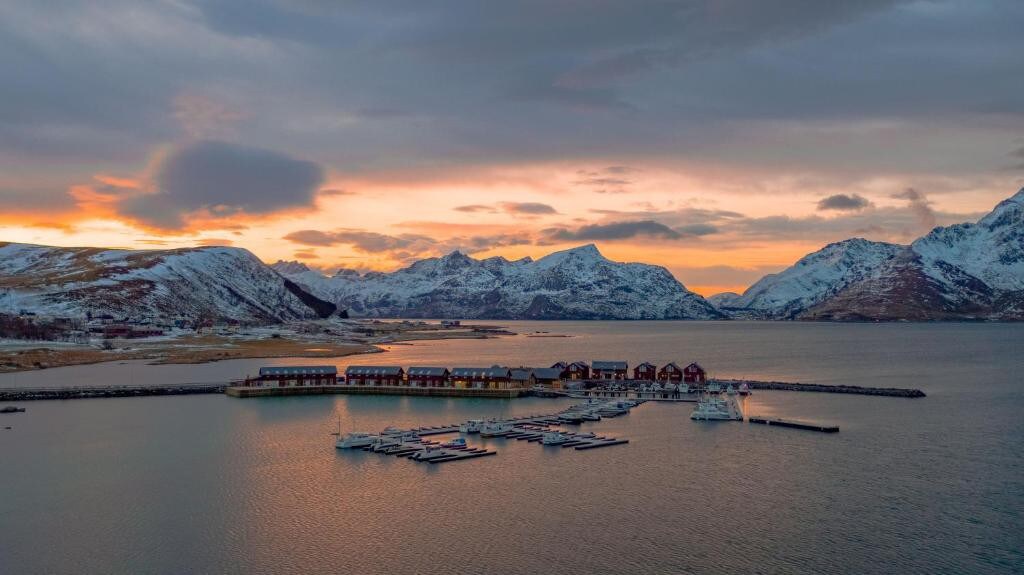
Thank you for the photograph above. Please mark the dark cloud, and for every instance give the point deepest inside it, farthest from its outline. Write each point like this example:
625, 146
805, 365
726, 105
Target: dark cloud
404, 247
920, 206
853, 88
527, 208
221, 180
474, 208
844, 202
1018, 157
335, 192
612, 231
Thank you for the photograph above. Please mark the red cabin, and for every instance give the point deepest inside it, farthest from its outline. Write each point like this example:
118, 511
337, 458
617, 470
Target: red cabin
671, 373
428, 376
374, 375
694, 373
578, 370
645, 371
608, 369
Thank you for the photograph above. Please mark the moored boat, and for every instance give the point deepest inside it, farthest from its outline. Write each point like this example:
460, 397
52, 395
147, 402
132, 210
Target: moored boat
355, 439
495, 429
428, 453
471, 426
554, 438
716, 408
744, 389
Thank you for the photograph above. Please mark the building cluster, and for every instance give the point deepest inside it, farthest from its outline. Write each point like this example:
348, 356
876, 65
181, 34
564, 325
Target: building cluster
561, 375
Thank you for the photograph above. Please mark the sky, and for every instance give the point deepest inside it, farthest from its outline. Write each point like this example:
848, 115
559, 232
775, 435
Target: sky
722, 139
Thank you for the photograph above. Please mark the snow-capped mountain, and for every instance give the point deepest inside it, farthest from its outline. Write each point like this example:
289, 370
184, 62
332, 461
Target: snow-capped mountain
964, 271
214, 283
578, 283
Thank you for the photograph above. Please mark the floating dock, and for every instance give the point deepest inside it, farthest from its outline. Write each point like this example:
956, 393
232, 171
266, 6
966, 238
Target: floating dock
530, 428
242, 391
795, 424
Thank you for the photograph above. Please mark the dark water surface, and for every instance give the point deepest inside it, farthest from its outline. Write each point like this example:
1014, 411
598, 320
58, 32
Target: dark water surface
210, 484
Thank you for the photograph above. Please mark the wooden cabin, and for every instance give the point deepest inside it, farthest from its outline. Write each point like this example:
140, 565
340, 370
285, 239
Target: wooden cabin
608, 369
670, 373
645, 372
548, 376
294, 376
577, 370
522, 377
482, 377
382, 375
428, 377
694, 373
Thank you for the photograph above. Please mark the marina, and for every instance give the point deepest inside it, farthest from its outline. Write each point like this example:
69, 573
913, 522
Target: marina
543, 429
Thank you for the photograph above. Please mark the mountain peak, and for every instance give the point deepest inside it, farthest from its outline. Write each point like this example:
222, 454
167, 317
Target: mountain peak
289, 267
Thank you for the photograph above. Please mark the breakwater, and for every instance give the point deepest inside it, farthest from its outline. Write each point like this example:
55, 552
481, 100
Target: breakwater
821, 388
92, 392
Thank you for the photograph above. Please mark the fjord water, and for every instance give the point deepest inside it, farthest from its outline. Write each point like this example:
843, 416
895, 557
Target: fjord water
211, 484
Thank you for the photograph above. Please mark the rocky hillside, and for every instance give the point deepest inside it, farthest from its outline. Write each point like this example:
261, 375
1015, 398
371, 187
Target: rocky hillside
965, 271
215, 283
574, 284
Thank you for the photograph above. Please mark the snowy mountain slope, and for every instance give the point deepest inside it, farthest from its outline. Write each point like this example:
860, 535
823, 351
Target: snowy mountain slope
965, 271
215, 283
814, 278
573, 284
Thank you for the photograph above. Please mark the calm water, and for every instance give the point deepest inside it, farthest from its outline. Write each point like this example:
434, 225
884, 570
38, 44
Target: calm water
218, 485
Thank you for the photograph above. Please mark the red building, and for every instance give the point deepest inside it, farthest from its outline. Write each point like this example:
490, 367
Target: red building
428, 377
608, 369
645, 372
694, 373
577, 370
374, 375
482, 377
671, 373
294, 376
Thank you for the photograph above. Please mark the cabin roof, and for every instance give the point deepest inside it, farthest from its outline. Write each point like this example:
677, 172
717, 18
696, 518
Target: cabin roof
547, 373
428, 371
480, 372
300, 370
596, 364
373, 370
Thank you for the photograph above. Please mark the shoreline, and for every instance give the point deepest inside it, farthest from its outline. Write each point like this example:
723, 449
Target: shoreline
200, 349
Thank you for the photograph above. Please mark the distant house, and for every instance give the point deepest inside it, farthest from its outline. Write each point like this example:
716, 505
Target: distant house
428, 376
522, 377
608, 369
670, 373
295, 376
482, 377
548, 376
381, 375
645, 372
577, 370
694, 373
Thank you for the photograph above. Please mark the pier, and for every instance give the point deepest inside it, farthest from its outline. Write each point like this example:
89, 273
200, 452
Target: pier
795, 424
241, 391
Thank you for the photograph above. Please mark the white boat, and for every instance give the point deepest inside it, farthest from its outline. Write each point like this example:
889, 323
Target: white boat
390, 430
457, 443
570, 417
744, 389
730, 390
714, 387
715, 408
684, 388
590, 415
495, 429
354, 440
472, 426
428, 453
554, 438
